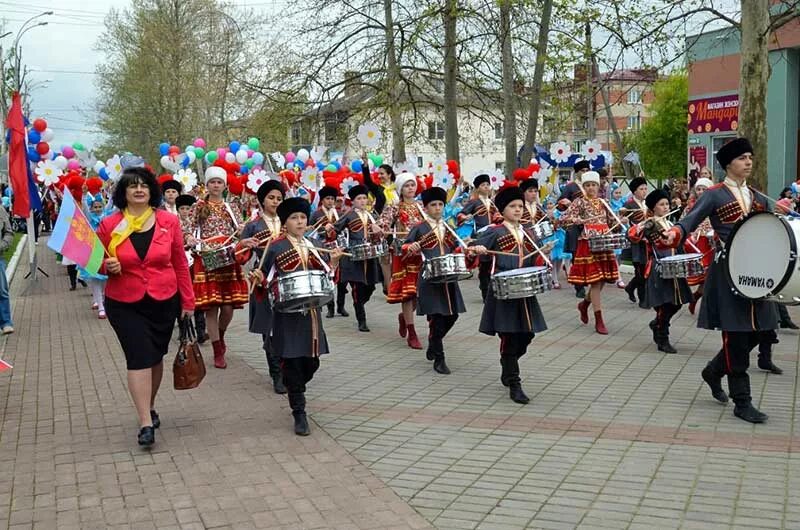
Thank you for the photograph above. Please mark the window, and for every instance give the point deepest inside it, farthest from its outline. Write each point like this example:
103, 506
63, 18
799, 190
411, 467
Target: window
633, 122
331, 130
499, 165
296, 134
419, 161
498, 131
435, 130
634, 97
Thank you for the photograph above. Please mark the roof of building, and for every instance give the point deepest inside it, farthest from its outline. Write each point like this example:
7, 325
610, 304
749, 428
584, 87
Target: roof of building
632, 74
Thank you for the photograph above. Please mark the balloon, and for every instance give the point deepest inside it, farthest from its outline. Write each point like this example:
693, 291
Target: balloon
234, 146
321, 165
331, 168
244, 170
310, 163
78, 146
33, 156
230, 158
98, 166
190, 156
73, 165
337, 165
48, 135
68, 151
189, 147
289, 157
356, 166
258, 158
376, 159
298, 164
42, 148
168, 164
174, 150
34, 137
61, 162
249, 164
241, 156
39, 125
211, 157
184, 160
199, 152
163, 148
199, 142
302, 155
103, 172
253, 143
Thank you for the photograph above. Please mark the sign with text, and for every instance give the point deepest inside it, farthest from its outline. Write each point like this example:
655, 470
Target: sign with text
718, 114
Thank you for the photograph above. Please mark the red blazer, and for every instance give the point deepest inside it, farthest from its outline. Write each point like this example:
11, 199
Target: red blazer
164, 270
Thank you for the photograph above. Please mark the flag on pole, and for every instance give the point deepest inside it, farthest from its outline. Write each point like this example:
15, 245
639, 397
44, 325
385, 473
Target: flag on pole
18, 158
74, 238
5, 366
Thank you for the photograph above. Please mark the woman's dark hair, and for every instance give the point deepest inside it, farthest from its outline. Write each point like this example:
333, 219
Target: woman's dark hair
389, 170
786, 193
136, 175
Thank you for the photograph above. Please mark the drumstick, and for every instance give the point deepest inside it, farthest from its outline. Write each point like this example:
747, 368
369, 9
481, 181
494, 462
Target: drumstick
260, 264
329, 251
497, 252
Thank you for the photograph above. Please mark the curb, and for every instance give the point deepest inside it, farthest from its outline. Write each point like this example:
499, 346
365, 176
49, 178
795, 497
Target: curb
12, 264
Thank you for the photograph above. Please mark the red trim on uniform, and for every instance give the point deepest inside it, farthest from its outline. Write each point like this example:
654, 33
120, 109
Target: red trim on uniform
727, 354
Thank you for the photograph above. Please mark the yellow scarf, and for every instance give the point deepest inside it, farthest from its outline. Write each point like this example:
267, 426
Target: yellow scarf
126, 227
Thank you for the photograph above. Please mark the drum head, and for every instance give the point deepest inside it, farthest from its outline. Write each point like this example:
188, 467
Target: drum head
760, 255
681, 257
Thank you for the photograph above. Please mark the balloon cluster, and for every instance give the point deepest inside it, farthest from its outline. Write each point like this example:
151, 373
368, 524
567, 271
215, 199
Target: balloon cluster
39, 138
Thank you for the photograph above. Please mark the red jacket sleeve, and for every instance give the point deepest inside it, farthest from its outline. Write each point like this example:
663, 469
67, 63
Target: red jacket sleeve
181, 267
635, 234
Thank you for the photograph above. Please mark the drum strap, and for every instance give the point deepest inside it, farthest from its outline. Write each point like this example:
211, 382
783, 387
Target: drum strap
311, 248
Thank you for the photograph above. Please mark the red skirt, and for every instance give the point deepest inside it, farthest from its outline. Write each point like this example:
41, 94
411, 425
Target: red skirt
225, 286
591, 267
405, 273
704, 246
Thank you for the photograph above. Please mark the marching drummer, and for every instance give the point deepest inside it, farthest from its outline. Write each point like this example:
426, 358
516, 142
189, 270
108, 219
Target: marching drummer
741, 320
702, 238
533, 211
362, 275
257, 235
591, 269
440, 302
298, 338
666, 296
635, 210
482, 212
516, 321
324, 215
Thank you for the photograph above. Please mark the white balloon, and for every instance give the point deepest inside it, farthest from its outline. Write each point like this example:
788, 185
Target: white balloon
189, 148
61, 162
241, 156
98, 166
192, 156
302, 155
230, 158
48, 135
168, 164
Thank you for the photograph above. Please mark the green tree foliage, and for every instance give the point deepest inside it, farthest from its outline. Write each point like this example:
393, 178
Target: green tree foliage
662, 141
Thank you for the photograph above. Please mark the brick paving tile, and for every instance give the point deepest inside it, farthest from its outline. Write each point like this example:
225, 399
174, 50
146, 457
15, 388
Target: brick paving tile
225, 455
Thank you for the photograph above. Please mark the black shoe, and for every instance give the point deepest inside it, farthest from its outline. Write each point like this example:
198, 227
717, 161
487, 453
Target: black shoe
715, 384
580, 293
517, 395
439, 366
330, 312
642, 304
72, 287
342, 311
147, 436
430, 355
654, 329
83, 283
750, 413
770, 367
362, 326
788, 324
301, 424
631, 296
201, 339
156, 419
666, 347
277, 384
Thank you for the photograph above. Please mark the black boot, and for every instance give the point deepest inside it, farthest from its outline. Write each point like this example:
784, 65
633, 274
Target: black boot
361, 317
331, 310
663, 340
714, 382
515, 391
200, 326
439, 366
341, 294
629, 290
788, 324
654, 328
504, 370
739, 387
640, 290
580, 292
274, 365
297, 402
765, 359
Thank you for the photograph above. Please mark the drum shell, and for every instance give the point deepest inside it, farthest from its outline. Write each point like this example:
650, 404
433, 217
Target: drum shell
608, 242
542, 230
218, 257
689, 265
521, 283
446, 268
365, 251
300, 291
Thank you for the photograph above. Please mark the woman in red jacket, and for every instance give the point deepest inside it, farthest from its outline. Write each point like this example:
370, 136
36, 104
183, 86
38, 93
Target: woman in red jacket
148, 286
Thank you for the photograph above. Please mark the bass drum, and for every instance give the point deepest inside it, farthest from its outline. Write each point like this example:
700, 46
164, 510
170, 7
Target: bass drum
761, 258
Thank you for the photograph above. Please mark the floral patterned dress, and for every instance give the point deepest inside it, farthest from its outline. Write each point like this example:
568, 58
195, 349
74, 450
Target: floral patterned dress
402, 217
592, 217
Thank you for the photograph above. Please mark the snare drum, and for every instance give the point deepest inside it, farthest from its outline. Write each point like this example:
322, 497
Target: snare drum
366, 251
680, 266
218, 258
445, 269
300, 291
608, 242
542, 230
397, 245
521, 283
762, 258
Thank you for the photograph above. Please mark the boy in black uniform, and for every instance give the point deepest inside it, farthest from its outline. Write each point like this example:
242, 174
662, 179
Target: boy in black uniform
634, 209
483, 212
327, 210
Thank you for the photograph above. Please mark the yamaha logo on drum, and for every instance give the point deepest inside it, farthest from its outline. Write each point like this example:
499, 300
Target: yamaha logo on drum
755, 281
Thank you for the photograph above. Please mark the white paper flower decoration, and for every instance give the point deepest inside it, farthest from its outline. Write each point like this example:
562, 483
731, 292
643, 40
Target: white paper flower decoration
346, 184
369, 135
187, 178
279, 159
544, 173
439, 167
47, 172
409, 166
591, 149
114, 168
444, 180
560, 152
309, 178
318, 152
497, 179
255, 179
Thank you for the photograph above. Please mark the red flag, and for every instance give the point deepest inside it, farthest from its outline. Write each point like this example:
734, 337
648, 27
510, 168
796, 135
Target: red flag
18, 158
5, 366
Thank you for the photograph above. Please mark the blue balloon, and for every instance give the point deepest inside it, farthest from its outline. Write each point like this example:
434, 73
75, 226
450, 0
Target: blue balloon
356, 166
299, 164
185, 161
163, 148
103, 173
337, 165
234, 146
258, 159
33, 156
321, 165
34, 137
244, 170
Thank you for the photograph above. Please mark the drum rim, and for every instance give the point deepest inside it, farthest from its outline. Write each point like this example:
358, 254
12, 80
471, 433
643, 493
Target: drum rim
789, 268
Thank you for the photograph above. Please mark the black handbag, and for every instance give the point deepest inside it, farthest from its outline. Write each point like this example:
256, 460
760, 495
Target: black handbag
188, 369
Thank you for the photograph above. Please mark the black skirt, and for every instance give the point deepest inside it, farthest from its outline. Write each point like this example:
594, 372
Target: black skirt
144, 328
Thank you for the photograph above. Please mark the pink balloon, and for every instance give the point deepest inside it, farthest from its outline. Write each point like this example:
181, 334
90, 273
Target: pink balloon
68, 151
289, 157
250, 153
199, 142
221, 152
73, 165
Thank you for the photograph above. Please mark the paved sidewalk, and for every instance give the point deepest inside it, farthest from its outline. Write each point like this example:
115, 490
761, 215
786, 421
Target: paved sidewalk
225, 456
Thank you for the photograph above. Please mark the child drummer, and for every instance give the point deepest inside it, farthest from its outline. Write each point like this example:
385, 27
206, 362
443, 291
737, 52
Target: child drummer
440, 302
324, 215
516, 321
665, 296
533, 211
361, 275
297, 337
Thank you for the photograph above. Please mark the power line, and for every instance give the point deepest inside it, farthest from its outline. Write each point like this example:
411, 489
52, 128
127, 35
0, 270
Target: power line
50, 8
80, 72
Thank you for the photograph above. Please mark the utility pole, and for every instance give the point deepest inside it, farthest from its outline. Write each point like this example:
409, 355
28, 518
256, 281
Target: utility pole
589, 84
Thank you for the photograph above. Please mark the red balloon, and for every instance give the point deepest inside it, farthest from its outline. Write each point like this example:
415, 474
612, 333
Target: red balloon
39, 124
310, 163
42, 148
174, 150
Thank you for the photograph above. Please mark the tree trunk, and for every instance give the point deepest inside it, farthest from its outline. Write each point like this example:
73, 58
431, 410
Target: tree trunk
589, 85
395, 88
536, 87
449, 15
754, 77
611, 121
509, 112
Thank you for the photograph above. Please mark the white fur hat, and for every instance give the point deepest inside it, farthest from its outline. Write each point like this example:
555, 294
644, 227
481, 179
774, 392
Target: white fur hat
590, 176
704, 182
401, 179
216, 172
